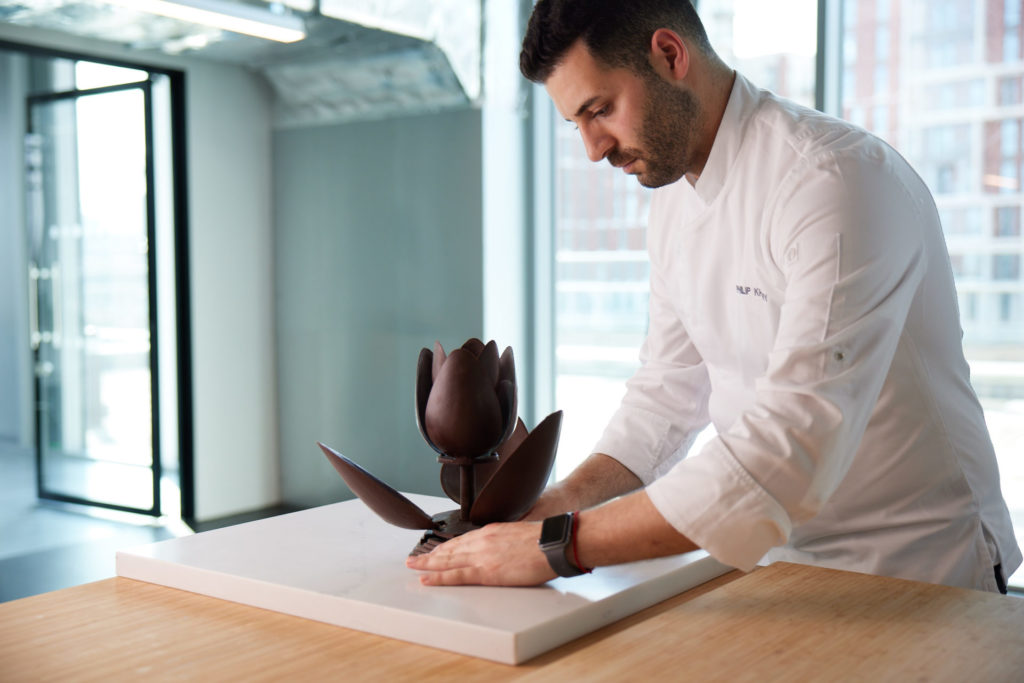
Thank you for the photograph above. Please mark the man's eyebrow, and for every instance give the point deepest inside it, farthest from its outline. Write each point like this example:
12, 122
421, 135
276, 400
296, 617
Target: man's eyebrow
584, 107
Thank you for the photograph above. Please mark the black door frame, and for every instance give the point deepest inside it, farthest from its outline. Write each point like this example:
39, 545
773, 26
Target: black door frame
182, 314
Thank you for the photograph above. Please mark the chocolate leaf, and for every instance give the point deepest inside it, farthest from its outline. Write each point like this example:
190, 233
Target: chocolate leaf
388, 503
520, 477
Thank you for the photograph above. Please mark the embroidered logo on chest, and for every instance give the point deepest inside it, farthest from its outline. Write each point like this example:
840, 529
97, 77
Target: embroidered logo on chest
752, 291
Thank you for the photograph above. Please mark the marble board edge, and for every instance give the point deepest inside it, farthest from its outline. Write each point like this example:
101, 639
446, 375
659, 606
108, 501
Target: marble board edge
419, 629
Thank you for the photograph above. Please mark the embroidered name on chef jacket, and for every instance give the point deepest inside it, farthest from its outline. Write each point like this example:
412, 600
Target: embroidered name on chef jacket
747, 291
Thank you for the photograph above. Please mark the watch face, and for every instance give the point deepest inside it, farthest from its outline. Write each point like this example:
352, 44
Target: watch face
556, 530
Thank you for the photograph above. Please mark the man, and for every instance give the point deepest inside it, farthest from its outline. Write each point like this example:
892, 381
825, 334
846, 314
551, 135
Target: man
801, 300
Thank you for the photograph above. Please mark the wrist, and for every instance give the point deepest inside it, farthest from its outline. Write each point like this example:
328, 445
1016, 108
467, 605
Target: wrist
558, 543
574, 543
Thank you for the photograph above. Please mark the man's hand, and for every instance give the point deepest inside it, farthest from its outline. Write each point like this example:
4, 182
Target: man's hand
495, 555
626, 529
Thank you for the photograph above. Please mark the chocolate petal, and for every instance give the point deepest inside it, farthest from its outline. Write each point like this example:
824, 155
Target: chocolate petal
506, 392
439, 359
512, 444
388, 503
507, 366
474, 347
521, 476
423, 385
451, 483
489, 363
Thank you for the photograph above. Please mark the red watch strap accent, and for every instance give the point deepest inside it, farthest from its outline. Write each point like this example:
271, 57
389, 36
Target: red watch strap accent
575, 552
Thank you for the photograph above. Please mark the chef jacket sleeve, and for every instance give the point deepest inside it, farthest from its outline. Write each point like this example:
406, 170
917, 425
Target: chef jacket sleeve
666, 402
845, 231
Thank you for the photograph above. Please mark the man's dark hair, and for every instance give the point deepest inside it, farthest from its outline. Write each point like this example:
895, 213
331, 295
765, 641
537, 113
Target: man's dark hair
617, 32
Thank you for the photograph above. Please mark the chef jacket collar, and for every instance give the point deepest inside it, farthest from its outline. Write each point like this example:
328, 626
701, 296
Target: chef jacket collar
742, 102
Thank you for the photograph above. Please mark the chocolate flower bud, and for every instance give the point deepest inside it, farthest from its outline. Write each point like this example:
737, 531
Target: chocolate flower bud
470, 406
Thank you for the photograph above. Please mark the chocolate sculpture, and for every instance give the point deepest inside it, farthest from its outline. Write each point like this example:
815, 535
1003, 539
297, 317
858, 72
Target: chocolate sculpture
491, 465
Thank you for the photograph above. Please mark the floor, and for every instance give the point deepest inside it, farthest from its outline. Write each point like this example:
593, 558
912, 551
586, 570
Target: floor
44, 547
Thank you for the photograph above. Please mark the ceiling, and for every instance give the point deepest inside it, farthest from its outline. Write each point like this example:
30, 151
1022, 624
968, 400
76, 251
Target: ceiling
361, 59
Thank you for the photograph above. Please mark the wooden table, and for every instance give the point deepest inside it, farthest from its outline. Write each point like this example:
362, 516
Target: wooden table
783, 622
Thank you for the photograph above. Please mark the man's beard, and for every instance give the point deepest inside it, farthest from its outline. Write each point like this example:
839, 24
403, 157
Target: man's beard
666, 134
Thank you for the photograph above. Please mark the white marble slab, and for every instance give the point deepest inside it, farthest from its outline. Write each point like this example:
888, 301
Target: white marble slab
342, 565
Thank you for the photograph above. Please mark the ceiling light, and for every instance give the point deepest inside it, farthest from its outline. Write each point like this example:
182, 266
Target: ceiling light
234, 17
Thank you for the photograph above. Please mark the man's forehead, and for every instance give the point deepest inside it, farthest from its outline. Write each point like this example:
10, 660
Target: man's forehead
576, 81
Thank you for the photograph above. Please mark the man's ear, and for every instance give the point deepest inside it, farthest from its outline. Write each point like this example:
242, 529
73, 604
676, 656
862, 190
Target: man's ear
670, 56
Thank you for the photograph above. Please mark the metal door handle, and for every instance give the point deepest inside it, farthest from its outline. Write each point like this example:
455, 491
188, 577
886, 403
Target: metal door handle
58, 305
35, 338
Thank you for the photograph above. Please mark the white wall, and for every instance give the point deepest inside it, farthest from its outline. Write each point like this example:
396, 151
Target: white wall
231, 233
231, 230
378, 253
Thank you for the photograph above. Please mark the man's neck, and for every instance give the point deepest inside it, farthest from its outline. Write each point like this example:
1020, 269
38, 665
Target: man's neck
719, 91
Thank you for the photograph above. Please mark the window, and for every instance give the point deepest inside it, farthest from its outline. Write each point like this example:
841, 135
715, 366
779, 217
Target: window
1007, 305
1010, 138
968, 306
1011, 31
1007, 221
1006, 267
966, 265
1009, 91
959, 222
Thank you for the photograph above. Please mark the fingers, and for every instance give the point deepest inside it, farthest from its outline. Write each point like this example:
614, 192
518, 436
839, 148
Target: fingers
444, 566
453, 577
498, 555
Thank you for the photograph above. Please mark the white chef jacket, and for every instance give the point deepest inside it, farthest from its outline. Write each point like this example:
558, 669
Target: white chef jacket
802, 300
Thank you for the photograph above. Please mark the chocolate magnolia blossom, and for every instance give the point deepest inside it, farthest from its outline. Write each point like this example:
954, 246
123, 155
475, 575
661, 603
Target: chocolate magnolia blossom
491, 465
470, 406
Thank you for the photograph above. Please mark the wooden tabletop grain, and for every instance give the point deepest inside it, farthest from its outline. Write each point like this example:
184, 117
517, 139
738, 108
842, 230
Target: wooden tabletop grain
784, 622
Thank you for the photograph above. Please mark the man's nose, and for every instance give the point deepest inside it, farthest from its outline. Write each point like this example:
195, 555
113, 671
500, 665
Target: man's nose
598, 142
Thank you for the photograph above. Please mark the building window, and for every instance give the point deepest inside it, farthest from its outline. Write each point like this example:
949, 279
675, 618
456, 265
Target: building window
1007, 221
1007, 303
1006, 267
1009, 91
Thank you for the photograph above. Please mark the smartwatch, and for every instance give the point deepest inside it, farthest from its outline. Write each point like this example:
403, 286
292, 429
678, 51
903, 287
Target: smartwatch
555, 540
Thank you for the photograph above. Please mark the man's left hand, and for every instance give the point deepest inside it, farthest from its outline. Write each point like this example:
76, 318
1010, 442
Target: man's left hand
495, 555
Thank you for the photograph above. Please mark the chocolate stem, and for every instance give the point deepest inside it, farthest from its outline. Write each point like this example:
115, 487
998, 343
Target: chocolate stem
467, 489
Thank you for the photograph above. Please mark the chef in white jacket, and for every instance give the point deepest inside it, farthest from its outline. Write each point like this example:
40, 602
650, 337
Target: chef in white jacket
802, 301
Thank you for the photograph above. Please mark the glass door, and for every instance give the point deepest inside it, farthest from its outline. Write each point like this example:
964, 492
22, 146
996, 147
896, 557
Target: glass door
93, 318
